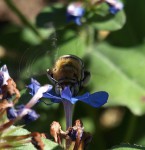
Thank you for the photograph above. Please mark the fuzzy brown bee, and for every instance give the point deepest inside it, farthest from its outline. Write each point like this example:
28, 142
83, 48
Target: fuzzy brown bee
69, 71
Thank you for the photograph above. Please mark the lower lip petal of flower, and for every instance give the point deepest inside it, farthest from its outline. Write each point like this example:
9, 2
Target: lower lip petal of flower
31, 116
96, 99
11, 113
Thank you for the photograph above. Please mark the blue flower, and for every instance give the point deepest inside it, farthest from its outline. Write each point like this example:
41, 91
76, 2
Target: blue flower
35, 85
30, 116
21, 111
11, 113
96, 99
37, 91
1, 78
114, 6
75, 12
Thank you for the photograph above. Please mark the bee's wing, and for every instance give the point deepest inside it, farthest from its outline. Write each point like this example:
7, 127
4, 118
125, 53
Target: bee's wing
96, 99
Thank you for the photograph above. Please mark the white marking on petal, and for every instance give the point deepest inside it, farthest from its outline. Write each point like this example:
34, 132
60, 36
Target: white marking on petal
38, 95
5, 73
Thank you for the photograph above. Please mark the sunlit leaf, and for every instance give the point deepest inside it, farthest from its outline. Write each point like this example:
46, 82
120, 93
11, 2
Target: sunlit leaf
119, 71
110, 23
49, 145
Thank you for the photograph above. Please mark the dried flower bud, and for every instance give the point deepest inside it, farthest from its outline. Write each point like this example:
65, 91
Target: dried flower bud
36, 141
55, 129
9, 89
79, 136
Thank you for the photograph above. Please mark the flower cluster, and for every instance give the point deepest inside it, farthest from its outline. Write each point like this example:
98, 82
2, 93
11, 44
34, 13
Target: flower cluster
26, 113
76, 10
9, 96
114, 6
75, 136
8, 89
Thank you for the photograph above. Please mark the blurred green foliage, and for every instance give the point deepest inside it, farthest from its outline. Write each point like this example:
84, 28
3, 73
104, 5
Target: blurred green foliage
113, 51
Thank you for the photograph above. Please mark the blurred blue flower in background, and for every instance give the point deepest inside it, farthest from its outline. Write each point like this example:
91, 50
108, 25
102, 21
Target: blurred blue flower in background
114, 6
75, 12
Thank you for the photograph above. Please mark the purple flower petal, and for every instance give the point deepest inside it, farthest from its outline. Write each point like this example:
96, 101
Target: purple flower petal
96, 99
114, 6
11, 113
75, 9
113, 10
53, 98
31, 116
20, 111
77, 98
34, 86
75, 12
37, 91
1, 78
66, 93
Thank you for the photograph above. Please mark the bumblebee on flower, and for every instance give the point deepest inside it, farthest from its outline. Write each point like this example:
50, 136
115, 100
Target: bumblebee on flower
67, 87
66, 91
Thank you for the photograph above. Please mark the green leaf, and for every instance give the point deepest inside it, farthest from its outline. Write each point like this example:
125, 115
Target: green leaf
68, 43
54, 15
30, 37
110, 22
128, 147
119, 71
133, 32
49, 145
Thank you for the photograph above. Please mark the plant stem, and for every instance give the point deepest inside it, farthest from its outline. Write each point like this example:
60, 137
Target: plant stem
23, 19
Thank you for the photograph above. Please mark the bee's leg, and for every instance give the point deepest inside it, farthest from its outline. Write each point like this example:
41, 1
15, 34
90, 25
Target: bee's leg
50, 76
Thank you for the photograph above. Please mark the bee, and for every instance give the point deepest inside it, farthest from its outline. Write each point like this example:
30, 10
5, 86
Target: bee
69, 71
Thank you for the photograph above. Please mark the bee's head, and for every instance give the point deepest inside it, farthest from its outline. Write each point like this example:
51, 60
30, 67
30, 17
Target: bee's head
74, 87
